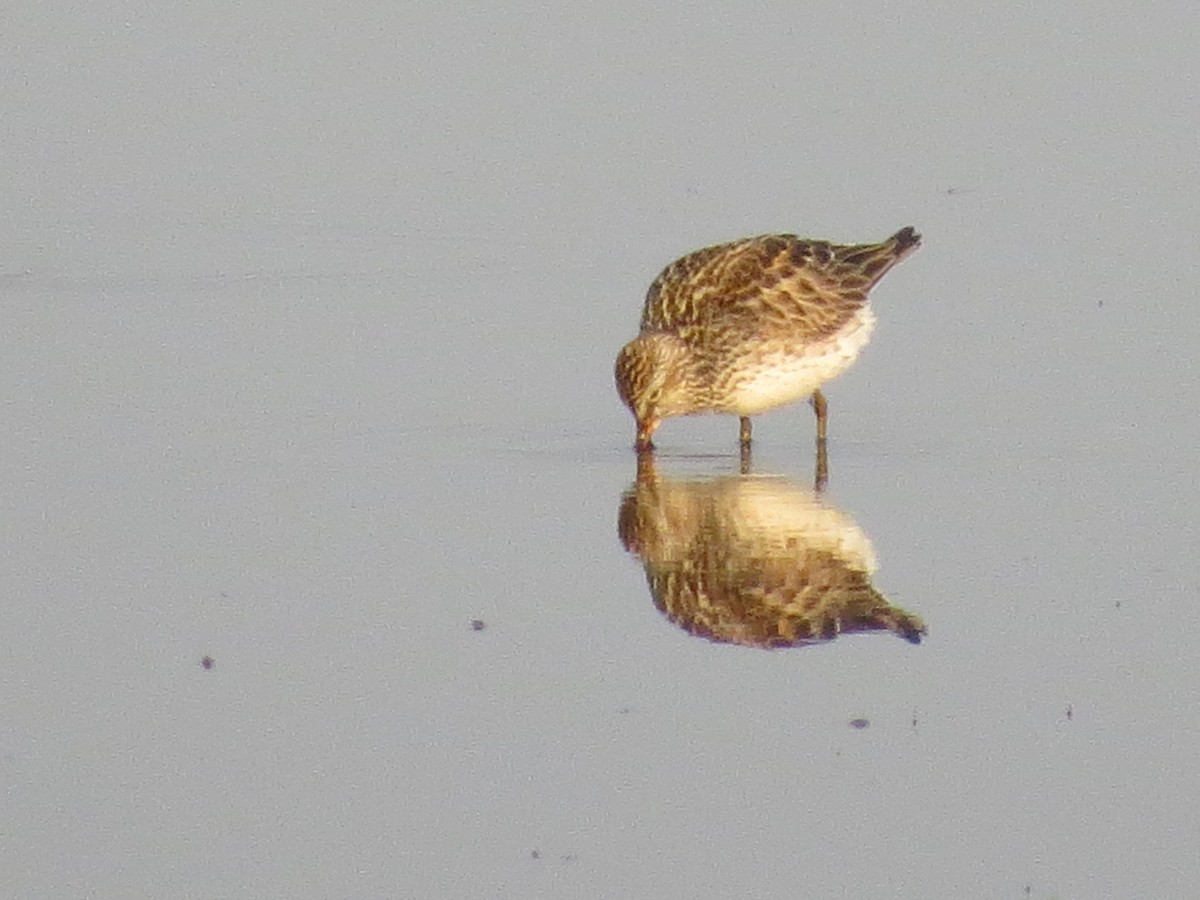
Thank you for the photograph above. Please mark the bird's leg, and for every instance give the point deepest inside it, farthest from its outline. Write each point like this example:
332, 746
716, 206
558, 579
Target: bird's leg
744, 431
646, 428
744, 468
821, 408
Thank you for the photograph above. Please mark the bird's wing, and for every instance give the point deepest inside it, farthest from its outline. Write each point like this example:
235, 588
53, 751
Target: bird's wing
756, 283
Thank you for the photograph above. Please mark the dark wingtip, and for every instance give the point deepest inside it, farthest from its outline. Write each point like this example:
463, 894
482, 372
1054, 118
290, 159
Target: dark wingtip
906, 239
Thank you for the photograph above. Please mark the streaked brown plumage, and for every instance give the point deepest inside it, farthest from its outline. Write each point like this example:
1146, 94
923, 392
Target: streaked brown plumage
753, 324
757, 561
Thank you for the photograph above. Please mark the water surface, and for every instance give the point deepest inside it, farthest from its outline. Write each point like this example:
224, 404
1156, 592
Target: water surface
339, 418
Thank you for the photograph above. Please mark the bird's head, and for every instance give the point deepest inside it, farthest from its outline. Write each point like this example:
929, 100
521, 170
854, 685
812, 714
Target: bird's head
651, 379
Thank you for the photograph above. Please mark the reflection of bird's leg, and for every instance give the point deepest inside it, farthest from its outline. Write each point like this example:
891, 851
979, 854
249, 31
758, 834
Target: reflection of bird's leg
821, 408
822, 466
744, 468
645, 465
744, 432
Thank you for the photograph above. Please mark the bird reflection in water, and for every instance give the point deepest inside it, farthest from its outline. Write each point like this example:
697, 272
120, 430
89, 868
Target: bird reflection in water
754, 560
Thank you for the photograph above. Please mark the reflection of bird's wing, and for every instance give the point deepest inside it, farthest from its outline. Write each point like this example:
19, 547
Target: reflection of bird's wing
775, 282
755, 561
774, 603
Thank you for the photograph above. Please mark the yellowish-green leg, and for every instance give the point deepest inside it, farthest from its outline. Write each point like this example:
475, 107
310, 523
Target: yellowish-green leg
821, 408
645, 435
744, 431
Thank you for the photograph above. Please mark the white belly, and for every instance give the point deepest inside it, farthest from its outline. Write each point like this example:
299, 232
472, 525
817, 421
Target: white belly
786, 374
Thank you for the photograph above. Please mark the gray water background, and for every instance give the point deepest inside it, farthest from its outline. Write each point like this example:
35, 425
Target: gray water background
308, 321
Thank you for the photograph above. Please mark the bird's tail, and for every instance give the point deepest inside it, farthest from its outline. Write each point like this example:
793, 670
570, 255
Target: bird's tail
903, 242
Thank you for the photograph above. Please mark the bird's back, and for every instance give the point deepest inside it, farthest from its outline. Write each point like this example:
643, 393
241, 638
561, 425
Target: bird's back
773, 283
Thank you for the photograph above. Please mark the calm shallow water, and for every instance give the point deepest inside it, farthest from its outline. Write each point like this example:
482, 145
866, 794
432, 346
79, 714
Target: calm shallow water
391, 416
230, 471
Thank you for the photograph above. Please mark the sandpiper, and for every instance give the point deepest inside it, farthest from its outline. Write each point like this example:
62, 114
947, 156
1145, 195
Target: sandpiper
750, 325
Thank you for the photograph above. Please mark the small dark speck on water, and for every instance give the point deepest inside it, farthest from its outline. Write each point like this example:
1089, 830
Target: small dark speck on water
478, 624
1070, 712
859, 723
207, 662
1100, 304
535, 854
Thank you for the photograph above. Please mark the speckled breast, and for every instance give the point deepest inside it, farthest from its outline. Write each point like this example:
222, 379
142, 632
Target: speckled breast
777, 371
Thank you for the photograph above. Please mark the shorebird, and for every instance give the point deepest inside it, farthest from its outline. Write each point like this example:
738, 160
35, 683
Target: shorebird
750, 325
